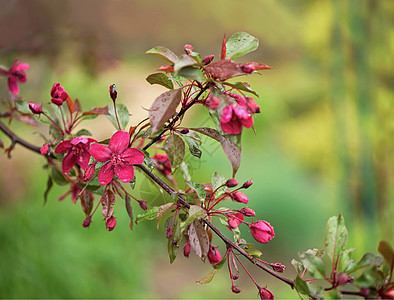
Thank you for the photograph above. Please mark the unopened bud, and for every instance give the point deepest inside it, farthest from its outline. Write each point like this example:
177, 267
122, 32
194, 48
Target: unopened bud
169, 233
247, 68
232, 182
185, 131
89, 172
264, 293
233, 223
35, 109
239, 197
365, 292
344, 279
247, 212
186, 249
235, 276
110, 223
247, 184
208, 59
142, 204
235, 290
113, 92
87, 221
188, 49
45, 149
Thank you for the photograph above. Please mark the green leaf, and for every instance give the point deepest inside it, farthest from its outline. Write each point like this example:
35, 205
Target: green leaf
83, 132
161, 79
191, 73
58, 177
148, 161
243, 87
306, 289
195, 212
123, 115
370, 278
298, 266
162, 210
333, 294
22, 106
218, 180
345, 261
49, 186
199, 189
208, 278
313, 263
199, 240
185, 171
183, 61
387, 252
239, 44
149, 214
174, 147
220, 264
164, 53
193, 146
336, 236
163, 108
172, 249
369, 260
254, 252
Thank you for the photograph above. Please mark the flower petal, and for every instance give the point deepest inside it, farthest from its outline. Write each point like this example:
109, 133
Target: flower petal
69, 161
63, 147
106, 173
13, 85
100, 152
83, 159
132, 156
119, 142
22, 67
226, 114
124, 172
232, 127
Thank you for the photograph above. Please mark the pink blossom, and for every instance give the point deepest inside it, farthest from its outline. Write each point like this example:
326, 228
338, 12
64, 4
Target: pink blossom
163, 164
59, 95
214, 256
77, 152
262, 231
119, 158
234, 220
246, 102
16, 73
235, 116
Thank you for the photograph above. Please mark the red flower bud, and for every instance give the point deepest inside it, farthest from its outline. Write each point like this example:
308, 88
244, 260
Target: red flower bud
247, 184
45, 149
344, 279
247, 68
59, 95
252, 106
142, 204
262, 231
214, 256
264, 293
113, 92
110, 223
234, 220
169, 232
239, 197
35, 109
188, 49
208, 59
87, 221
232, 182
185, 131
247, 212
89, 172
232, 223
278, 267
235, 276
186, 249
213, 102
235, 290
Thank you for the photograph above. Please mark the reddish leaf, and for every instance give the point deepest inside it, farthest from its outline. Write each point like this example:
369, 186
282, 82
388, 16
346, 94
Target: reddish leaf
129, 211
259, 66
212, 133
232, 152
97, 111
77, 106
223, 54
199, 240
70, 104
163, 108
224, 69
132, 130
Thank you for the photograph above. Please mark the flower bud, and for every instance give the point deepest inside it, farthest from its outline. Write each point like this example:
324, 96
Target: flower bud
247, 212
232, 182
185, 131
262, 231
252, 106
89, 172
110, 223
247, 68
247, 184
113, 92
169, 232
235, 290
214, 256
344, 278
232, 223
264, 293
46, 149
213, 102
365, 292
235, 276
208, 59
186, 249
188, 49
35, 109
234, 220
239, 197
278, 267
87, 221
142, 204
59, 95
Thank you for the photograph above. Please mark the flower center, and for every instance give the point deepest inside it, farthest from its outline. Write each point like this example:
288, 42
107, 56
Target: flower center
116, 160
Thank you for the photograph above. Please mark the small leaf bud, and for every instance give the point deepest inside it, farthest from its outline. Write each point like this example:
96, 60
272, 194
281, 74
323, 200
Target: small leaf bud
232, 182
113, 92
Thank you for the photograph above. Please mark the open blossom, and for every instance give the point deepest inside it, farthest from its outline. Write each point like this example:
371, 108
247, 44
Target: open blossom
15, 74
235, 116
262, 231
119, 158
59, 95
77, 152
163, 164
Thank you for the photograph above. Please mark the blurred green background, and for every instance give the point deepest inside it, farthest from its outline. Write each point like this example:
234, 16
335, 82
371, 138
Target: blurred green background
323, 142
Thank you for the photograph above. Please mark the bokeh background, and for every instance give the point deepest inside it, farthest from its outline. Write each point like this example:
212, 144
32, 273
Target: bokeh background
323, 142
